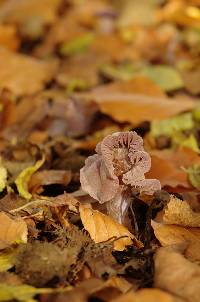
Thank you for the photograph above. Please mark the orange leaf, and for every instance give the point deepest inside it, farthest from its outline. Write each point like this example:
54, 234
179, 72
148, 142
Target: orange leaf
167, 166
102, 227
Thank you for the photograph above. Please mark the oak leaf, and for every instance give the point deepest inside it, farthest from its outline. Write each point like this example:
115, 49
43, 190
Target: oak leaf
102, 228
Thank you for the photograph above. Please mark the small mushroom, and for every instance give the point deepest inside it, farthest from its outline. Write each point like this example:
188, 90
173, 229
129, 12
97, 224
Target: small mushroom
118, 167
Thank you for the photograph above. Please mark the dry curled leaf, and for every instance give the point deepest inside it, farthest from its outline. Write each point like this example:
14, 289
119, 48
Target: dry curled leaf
176, 274
12, 230
179, 212
27, 69
102, 228
173, 234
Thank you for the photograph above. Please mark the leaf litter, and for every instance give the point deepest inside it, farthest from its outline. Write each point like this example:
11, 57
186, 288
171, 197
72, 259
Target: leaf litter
99, 150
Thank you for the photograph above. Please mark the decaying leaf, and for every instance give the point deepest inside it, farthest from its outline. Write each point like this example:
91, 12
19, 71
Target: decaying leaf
174, 234
8, 37
12, 230
23, 178
27, 69
176, 274
102, 228
179, 212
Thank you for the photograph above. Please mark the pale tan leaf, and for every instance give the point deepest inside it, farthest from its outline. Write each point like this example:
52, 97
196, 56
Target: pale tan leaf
147, 295
173, 234
12, 230
176, 274
18, 71
179, 212
120, 283
102, 227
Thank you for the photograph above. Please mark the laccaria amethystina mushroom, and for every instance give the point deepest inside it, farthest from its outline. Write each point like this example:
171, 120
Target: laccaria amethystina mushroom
116, 170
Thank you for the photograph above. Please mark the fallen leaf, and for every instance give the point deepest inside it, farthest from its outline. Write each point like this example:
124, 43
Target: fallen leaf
174, 234
102, 228
78, 45
179, 212
136, 108
8, 37
120, 283
7, 260
139, 84
18, 11
194, 176
170, 126
48, 177
147, 295
23, 178
27, 69
191, 81
169, 166
3, 176
23, 292
12, 230
176, 274
164, 76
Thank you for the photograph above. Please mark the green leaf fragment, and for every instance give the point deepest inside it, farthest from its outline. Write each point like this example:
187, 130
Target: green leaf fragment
190, 141
164, 76
123, 72
23, 178
77, 45
194, 176
168, 127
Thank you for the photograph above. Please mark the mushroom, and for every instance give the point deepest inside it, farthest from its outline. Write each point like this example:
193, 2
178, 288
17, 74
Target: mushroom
116, 170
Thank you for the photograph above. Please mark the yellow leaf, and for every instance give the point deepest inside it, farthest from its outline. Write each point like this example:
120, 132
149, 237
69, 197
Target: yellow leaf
12, 230
7, 260
102, 227
3, 176
173, 234
23, 178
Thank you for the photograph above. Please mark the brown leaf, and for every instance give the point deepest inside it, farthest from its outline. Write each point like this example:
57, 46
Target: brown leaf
174, 234
18, 71
102, 227
176, 274
167, 166
179, 212
12, 230
147, 295
124, 103
48, 177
